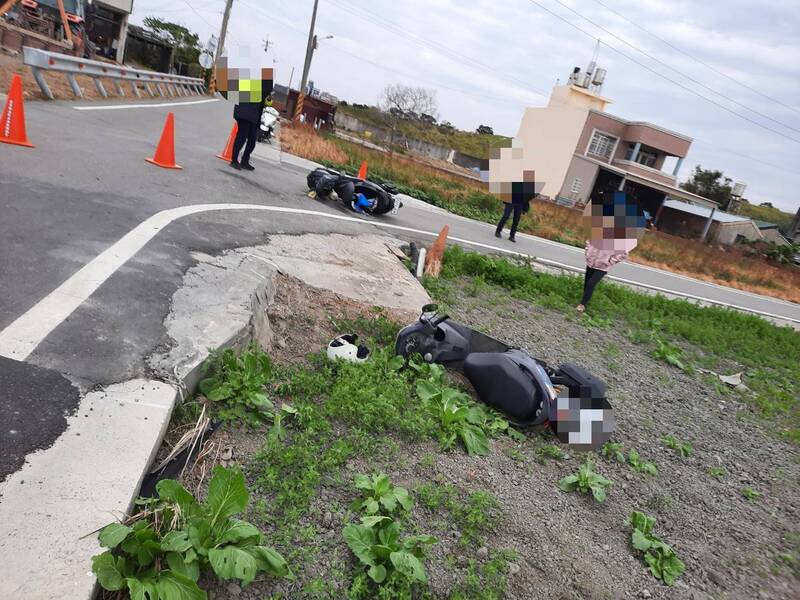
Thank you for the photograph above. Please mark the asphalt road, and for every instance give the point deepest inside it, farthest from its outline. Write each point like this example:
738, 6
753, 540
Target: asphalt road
86, 185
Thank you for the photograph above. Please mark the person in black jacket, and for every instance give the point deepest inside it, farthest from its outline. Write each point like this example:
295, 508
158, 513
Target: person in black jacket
248, 119
517, 201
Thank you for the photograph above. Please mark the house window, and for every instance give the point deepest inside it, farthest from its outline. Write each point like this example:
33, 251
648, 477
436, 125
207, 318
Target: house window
645, 157
602, 145
577, 184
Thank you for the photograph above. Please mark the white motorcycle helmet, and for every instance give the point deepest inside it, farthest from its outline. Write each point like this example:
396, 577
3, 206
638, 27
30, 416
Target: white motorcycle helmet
344, 348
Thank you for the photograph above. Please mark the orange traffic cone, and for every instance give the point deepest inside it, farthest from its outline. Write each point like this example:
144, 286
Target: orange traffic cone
165, 152
434, 257
362, 172
12, 123
227, 154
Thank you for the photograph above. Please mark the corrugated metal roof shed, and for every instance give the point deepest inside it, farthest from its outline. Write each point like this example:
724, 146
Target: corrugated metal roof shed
702, 211
765, 224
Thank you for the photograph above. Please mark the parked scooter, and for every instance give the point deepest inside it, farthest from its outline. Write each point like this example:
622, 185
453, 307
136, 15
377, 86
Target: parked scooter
508, 379
269, 118
359, 195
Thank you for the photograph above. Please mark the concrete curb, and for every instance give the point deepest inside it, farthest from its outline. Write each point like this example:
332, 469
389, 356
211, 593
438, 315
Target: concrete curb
85, 480
91, 475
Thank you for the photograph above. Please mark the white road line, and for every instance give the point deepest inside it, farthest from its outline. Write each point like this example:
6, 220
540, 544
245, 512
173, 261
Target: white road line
631, 264
20, 338
144, 105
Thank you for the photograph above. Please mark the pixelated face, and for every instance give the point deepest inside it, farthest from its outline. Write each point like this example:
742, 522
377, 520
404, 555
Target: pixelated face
239, 81
613, 217
584, 423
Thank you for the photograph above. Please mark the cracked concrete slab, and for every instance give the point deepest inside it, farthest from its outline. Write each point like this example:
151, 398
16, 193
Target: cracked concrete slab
362, 267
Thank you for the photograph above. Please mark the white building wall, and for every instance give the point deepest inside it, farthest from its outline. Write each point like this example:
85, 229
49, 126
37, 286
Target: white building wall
545, 144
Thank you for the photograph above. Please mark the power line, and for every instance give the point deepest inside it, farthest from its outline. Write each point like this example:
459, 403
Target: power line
204, 7
697, 60
677, 83
689, 77
383, 67
471, 93
201, 17
435, 46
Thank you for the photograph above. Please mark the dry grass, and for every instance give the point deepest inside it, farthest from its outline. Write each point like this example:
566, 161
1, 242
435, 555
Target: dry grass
721, 265
302, 140
727, 266
724, 265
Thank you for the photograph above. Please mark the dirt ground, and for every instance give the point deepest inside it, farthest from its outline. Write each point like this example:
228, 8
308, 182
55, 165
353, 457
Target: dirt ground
568, 546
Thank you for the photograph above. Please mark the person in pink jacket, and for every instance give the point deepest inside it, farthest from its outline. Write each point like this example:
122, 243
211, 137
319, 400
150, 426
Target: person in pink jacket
615, 226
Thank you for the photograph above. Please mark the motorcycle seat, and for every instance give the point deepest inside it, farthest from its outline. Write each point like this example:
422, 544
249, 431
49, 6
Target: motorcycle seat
504, 385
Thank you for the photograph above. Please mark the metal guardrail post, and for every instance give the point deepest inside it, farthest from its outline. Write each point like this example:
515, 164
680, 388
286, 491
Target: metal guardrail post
37, 75
100, 89
135, 90
76, 89
117, 85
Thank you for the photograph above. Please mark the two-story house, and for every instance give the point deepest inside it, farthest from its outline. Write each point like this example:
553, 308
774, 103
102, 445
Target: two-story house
577, 149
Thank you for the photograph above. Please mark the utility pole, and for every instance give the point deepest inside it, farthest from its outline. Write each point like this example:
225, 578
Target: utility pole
224, 29
312, 42
221, 43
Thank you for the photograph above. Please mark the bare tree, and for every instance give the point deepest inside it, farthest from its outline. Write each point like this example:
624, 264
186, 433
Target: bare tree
404, 102
409, 101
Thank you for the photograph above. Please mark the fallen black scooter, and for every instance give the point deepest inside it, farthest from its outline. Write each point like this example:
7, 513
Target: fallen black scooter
323, 181
508, 379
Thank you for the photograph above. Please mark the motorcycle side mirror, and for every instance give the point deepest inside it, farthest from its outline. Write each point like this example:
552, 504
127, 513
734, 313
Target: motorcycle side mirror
428, 313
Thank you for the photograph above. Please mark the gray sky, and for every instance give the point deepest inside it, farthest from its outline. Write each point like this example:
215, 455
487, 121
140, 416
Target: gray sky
488, 60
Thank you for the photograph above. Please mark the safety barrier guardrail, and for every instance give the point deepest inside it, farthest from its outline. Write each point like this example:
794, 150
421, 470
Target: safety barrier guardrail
164, 83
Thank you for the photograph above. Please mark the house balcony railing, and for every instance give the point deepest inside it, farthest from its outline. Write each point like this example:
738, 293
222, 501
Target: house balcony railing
645, 171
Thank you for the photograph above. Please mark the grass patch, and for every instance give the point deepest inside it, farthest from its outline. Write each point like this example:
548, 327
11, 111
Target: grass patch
770, 354
488, 581
474, 514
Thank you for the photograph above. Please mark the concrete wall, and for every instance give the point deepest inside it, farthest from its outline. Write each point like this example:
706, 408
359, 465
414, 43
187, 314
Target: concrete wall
381, 135
125, 6
726, 233
658, 139
545, 143
644, 171
774, 236
586, 171
350, 123
794, 229
575, 97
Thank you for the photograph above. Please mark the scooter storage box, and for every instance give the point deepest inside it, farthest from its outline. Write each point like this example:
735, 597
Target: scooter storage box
501, 383
584, 380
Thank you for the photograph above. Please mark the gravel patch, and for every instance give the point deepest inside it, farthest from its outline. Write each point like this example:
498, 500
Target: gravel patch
568, 546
